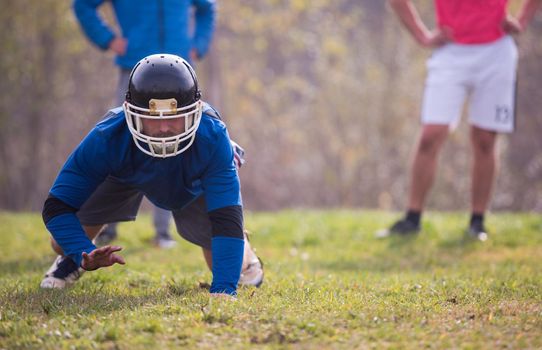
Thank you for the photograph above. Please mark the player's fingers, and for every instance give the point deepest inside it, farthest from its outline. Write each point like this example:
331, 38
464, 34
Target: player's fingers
106, 250
118, 259
111, 248
99, 251
116, 248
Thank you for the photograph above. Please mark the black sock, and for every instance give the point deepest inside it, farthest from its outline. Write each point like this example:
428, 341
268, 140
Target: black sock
414, 217
477, 219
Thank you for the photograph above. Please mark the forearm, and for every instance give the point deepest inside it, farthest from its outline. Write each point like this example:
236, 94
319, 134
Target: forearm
60, 220
92, 24
70, 236
410, 18
205, 17
227, 248
527, 11
227, 253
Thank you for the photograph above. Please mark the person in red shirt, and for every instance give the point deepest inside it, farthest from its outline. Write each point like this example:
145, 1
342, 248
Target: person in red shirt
473, 56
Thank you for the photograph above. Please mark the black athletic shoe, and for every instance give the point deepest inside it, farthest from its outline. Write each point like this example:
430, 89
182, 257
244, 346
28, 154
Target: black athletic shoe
402, 227
477, 232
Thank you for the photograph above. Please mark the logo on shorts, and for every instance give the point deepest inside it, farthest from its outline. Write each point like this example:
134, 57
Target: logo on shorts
502, 114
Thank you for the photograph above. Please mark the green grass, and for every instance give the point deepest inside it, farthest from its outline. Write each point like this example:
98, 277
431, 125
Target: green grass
329, 284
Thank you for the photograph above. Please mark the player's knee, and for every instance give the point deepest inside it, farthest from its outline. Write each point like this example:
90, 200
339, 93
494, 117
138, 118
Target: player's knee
428, 144
432, 137
484, 144
484, 147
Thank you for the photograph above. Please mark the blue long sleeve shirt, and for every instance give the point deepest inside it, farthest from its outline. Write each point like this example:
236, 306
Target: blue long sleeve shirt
206, 168
151, 26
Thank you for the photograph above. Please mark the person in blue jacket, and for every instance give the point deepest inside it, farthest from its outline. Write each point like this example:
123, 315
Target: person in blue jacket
169, 145
148, 27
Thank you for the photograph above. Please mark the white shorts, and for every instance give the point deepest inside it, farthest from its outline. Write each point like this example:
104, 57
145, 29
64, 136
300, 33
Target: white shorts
485, 73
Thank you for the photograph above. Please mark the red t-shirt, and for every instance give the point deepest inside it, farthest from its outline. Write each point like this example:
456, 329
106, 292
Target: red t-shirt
472, 21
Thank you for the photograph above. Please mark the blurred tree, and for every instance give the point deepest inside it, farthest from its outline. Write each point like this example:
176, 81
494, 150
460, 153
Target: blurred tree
324, 95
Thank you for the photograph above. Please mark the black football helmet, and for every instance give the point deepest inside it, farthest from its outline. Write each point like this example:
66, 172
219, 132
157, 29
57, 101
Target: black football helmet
163, 86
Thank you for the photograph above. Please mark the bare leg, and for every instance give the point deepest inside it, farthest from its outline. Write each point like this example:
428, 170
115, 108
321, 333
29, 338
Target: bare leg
483, 167
91, 231
208, 258
424, 166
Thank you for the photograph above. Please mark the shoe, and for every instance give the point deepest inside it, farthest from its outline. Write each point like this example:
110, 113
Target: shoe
402, 227
165, 242
477, 232
252, 268
107, 236
63, 273
252, 273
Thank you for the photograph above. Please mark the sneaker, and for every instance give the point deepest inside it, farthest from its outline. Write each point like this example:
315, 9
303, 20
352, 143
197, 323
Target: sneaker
252, 269
108, 235
477, 232
402, 227
63, 273
165, 242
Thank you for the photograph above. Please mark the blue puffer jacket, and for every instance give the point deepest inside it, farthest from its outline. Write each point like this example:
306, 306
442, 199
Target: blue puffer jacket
150, 26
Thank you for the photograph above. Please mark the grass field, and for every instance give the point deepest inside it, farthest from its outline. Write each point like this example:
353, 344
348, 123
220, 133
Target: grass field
329, 284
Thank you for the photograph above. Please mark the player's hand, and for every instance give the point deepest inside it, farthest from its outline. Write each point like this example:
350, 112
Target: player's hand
238, 154
511, 25
118, 45
436, 38
102, 257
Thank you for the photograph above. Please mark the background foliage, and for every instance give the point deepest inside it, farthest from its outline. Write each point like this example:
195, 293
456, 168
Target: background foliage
324, 95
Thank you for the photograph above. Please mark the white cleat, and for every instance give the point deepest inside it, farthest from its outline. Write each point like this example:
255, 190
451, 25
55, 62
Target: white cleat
52, 283
165, 243
252, 268
63, 273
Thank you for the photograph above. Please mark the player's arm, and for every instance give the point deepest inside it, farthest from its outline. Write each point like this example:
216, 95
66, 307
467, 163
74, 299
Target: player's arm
409, 16
61, 221
516, 25
84, 170
227, 247
93, 25
222, 190
205, 20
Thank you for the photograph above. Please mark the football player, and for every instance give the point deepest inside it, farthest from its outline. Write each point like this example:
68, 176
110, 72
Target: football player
169, 145
181, 27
